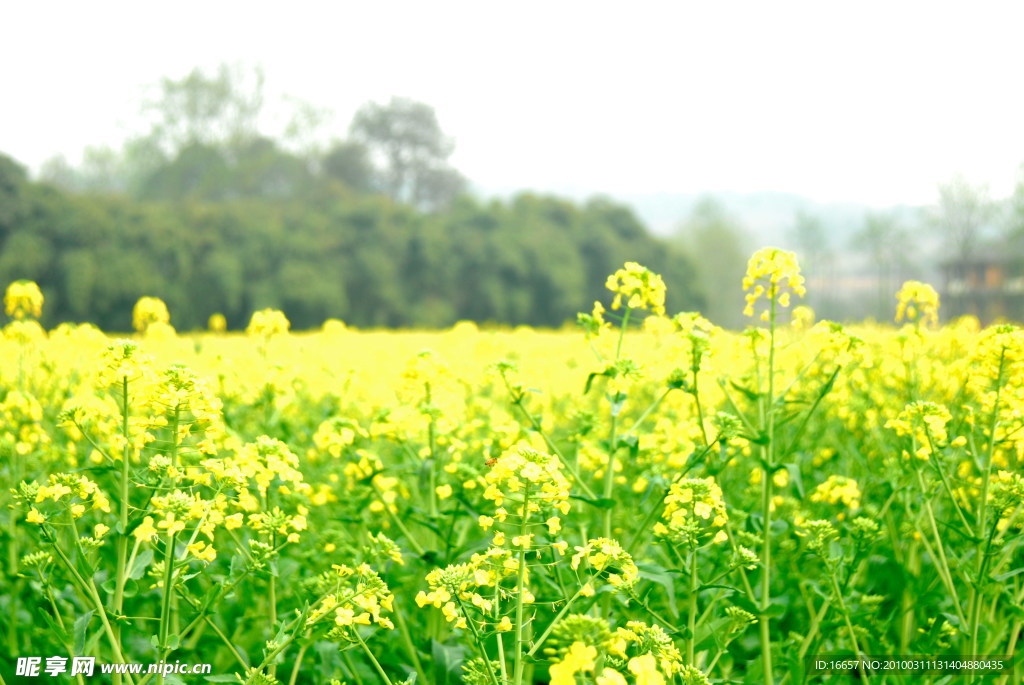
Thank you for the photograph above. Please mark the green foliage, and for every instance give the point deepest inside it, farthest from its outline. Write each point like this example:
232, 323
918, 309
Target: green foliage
211, 240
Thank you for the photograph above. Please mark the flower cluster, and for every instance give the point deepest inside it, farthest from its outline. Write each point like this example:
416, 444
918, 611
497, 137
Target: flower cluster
263, 462
335, 435
820, 534
925, 423
697, 331
917, 302
694, 512
640, 287
838, 490
268, 323
644, 647
458, 587
279, 522
179, 393
150, 312
217, 323
355, 596
530, 478
176, 510
21, 426
593, 324
580, 658
1006, 495
23, 299
609, 563
72, 490
583, 644
772, 274
124, 360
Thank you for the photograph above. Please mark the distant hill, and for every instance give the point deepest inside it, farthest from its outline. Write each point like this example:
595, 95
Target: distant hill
767, 217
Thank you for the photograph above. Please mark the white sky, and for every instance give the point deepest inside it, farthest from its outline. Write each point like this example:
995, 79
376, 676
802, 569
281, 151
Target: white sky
874, 102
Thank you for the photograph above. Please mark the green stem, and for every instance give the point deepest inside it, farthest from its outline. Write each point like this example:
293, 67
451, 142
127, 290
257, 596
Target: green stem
165, 611
767, 472
691, 622
500, 637
90, 591
13, 559
700, 410
479, 640
431, 440
609, 477
410, 648
517, 402
651, 407
816, 619
517, 670
416, 547
351, 669
298, 663
940, 552
122, 538
539, 642
373, 659
849, 627
609, 474
272, 600
975, 598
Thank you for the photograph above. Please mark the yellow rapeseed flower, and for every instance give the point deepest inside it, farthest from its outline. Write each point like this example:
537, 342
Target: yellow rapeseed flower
23, 299
149, 311
772, 274
268, 323
917, 302
640, 287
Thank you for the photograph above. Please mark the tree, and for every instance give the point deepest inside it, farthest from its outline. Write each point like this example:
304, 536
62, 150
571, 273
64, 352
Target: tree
410, 151
201, 109
715, 241
885, 242
349, 162
963, 214
13, 179
816, 259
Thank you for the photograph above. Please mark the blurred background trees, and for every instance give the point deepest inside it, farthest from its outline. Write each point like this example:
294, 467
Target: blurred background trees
215, 206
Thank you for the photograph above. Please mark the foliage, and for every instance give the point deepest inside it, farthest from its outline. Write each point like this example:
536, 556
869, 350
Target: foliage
324, 253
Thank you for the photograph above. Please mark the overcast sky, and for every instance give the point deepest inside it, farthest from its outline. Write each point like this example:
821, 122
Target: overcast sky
859, 101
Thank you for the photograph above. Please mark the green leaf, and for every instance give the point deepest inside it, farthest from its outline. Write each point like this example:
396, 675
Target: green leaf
759, 439
599, 502
80, 630
59, 632
662, 577
447, 659
718, 586
748, 393
796, 478
142, 561
1009, 574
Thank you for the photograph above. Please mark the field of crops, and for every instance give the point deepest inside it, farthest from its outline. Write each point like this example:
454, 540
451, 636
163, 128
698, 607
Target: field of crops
644, 499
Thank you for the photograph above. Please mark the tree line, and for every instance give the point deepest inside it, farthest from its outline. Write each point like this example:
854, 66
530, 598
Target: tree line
325, 251
213, 212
